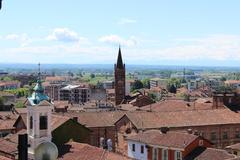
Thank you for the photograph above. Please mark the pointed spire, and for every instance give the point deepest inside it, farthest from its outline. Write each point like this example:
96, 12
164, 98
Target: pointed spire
119, 60
38, 87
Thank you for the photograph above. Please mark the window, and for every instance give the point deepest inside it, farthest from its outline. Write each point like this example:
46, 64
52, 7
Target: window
178, 155
237, 134
31, 122
43, 122
225, 135
202, 134
155, 154
164, 154
133, 147
201, 142
142, 149
213, 136
230, 100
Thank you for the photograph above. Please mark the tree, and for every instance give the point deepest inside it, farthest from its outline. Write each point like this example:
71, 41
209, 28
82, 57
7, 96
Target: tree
174, 81
19, 105
223, 79
20, 92
172, 89
137, 85
1, 101
7, 78
153, 96
92, 75
146, 83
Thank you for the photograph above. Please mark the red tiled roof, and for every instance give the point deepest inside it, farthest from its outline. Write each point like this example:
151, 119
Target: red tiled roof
214, 154
8, 146
232, 81
4, 158
176, 105
7, 124
7, 120
234, 146
4, 83
170, 139
21, 110
97, 119
14, 137
61, 104
151, 120
80, 151
56, 78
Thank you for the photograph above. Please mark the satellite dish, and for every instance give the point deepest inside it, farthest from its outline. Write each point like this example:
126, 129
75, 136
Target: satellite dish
46, 151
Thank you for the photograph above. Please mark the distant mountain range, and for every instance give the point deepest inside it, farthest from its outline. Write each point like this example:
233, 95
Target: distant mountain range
19, 66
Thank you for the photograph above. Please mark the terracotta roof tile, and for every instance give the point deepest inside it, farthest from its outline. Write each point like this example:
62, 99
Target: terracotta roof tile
97, 119
7, 120
234, 146
151, 120
56, 78
170, 139
61, 104
80, 151
8, 146
176, 105
4, 158
213, 154
232, 81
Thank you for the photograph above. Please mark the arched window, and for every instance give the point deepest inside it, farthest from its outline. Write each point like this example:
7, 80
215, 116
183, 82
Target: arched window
43, 122
31, 122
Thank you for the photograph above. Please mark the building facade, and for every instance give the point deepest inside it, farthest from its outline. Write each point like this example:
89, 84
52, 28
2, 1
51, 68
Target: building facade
157, 145
76, 94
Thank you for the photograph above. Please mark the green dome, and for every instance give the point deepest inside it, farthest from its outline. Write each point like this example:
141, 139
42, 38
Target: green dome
46, 151
38, 87
38, 94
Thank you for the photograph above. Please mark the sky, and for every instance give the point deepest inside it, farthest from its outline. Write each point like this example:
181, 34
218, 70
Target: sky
150, 32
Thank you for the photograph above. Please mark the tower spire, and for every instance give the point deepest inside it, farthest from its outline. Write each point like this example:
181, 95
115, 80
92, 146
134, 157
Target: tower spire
39, 71
119, 59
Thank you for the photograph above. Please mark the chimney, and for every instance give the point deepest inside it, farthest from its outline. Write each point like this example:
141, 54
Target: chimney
196, 132
75, 119
189, 131
23, 147
164, 130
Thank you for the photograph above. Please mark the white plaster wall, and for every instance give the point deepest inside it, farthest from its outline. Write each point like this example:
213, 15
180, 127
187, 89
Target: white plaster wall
137, 154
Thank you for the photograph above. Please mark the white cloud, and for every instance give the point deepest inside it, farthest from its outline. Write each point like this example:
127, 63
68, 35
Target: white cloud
214, 48
12, 37
124, 21
65, 35
24, 39
114, 39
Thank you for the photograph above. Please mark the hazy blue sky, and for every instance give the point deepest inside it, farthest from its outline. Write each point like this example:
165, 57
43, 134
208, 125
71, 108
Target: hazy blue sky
170, 32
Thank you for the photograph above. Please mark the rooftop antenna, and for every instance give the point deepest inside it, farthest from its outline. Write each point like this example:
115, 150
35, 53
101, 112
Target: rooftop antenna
39, 73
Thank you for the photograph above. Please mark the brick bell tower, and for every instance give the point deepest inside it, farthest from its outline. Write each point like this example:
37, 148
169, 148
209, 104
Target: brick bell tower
119, 73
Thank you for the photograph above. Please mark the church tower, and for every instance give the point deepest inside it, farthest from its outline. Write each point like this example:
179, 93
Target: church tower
119, 73
39, 111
